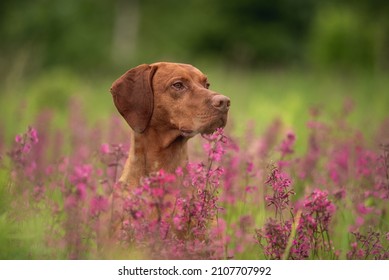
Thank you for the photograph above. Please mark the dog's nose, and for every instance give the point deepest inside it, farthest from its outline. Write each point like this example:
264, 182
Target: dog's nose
221, 102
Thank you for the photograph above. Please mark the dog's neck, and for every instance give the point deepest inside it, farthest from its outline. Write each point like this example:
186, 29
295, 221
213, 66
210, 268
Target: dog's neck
146, 157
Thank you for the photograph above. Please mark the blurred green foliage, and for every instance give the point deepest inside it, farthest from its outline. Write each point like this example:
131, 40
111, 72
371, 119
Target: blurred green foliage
89, 35
53, 50
54, 32
344, 38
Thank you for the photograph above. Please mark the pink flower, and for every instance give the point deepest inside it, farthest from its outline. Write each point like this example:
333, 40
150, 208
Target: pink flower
70, 202
26, 148
276, 234
39, 192
359, 221
287, 144
214, 146
249, 167
365, 162
250, 189
33, 134
363, 210
165, 177
81, 173
179, 171
178, 223
81, 191
157, 192
49, 170
339, 164
220, 228
318, 204
98, 204
104, 149
18, 138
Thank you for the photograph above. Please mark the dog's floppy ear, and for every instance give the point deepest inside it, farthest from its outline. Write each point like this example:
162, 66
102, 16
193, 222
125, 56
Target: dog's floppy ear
133, 96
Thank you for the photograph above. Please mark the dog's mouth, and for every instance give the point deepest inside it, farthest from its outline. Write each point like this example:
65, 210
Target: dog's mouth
204, 124
217, 123
213, 123
187, 133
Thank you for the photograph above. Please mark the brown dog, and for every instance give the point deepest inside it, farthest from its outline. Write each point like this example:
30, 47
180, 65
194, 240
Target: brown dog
165, 104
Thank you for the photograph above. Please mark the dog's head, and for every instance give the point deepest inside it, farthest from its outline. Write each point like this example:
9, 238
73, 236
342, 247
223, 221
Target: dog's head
169, 95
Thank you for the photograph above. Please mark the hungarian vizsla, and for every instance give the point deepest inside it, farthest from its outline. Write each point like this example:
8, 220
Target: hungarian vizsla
165, 104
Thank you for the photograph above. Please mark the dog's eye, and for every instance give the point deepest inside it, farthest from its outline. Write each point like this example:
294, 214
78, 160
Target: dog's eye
178, 85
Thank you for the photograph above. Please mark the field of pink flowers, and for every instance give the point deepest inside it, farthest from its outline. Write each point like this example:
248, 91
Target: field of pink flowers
251, 197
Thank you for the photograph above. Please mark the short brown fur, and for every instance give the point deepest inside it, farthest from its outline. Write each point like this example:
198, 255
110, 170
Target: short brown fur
165, 104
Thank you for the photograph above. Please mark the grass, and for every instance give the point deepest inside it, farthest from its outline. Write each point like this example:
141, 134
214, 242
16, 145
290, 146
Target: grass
261, 96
